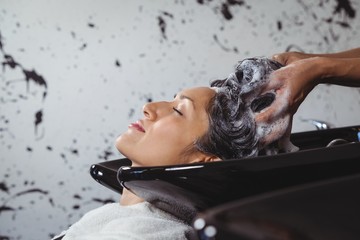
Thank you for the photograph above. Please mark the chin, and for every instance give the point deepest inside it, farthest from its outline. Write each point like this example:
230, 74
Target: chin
126, 152
120, 145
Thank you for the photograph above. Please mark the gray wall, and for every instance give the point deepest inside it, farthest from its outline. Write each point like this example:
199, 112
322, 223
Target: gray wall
74, 74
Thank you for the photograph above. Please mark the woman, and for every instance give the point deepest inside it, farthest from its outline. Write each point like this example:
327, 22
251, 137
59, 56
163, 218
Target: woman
234, 118
201, 124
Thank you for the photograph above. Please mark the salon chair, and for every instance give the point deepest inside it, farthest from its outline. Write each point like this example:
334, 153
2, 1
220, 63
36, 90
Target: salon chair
186, 190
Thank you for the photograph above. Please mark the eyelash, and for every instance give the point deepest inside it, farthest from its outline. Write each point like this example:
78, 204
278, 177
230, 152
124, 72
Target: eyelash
176, 110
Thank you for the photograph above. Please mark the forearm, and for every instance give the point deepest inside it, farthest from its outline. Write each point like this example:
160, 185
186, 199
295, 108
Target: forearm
352, 53
340, 71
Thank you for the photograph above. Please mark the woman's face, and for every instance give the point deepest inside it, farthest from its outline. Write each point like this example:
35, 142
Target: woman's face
167, 129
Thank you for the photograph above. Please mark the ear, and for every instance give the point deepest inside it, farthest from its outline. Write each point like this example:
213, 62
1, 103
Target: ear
204, 158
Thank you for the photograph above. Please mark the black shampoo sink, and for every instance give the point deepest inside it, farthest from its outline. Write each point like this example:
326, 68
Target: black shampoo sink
185, 190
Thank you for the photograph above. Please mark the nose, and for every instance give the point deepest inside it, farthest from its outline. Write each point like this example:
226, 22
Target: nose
154, 110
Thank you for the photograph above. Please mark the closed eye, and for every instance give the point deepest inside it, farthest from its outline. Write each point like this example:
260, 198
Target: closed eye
176, 110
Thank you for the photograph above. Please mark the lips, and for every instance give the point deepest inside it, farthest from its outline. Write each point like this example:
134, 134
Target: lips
137, 126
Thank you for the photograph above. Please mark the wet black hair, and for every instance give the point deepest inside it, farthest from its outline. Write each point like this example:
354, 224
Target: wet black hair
232, 130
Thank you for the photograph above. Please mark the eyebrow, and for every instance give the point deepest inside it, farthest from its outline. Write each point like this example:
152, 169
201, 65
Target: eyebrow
182, 97
186, 97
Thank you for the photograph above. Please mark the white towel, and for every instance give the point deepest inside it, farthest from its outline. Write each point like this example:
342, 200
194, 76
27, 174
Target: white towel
141, 221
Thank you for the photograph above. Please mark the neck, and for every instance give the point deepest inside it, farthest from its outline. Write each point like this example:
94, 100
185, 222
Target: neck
129, 198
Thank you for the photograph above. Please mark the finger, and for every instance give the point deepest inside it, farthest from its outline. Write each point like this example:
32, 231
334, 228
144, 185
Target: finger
274, 83
277, 110
266, 115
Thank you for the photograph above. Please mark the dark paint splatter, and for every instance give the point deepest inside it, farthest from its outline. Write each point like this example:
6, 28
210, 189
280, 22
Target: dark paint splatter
103, 201
23, 97
30, 191
162, 23
4, 237
76, 196
9, 61
52, 235
226, 12
345, 6
117, 63
51, 201
223, 47
91, 25
34, 190
3, 187
225, 7
293, 47
29, 149
1, 44
236, 2
343, 24
167, 14
83, 47
344, 10
36, 78
29, 75
6, 208
279, 25
131, 113
162, 26
73, 34
74, 151
105, 154
334, 36
49, 148
38, 119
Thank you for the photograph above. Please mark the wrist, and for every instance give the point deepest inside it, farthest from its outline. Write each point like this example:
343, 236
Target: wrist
315, 71
324, 69
336, 70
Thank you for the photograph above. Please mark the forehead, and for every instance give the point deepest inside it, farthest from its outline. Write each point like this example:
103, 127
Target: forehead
199, 95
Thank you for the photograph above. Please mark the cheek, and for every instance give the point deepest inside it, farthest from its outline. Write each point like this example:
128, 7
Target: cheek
167, 143
169, 136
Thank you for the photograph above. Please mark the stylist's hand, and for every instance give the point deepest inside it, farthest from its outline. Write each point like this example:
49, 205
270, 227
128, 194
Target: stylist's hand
292, 83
